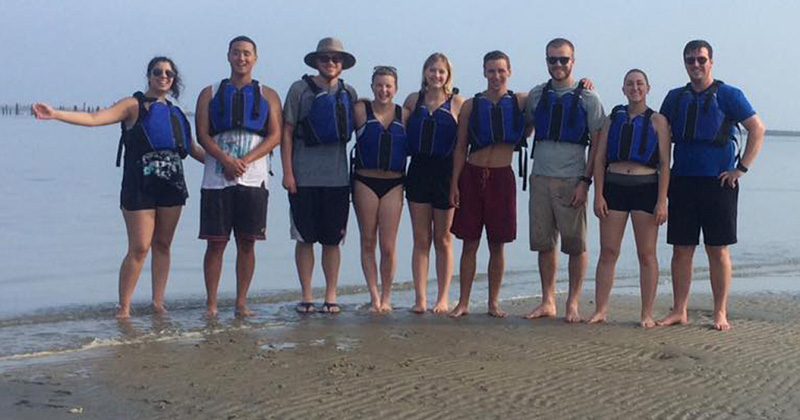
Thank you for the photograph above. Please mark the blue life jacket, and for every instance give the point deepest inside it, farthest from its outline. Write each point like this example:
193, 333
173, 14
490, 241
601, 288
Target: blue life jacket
632, 140
159, 127
562, 118
238, 109
432, 134
382, 148
491, 123
331, 117
697, 117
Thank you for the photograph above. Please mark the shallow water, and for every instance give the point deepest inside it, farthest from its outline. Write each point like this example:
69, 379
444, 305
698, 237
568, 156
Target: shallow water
64, 238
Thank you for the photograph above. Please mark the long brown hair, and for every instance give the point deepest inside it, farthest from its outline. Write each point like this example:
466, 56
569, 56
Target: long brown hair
433, 58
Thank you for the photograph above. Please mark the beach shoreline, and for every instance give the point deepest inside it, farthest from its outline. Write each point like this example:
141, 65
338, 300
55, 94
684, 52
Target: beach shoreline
358, 365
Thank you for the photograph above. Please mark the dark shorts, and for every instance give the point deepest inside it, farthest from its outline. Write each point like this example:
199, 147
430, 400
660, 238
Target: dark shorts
428, 181
488, 197
240, 208
700, 203
631, 192
319, 214
134, 196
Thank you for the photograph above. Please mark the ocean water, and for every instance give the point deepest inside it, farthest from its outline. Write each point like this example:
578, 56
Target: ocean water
63, 239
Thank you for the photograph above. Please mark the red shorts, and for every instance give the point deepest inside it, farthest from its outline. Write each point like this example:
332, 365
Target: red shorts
488, 198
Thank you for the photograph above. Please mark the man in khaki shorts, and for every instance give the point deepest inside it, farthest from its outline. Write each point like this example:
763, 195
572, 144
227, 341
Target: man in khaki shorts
566, 118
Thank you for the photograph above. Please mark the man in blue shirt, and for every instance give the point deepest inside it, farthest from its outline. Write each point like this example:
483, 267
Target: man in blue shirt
704, 191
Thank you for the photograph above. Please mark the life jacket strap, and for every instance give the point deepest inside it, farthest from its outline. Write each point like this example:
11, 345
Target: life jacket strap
255, 113
648, 115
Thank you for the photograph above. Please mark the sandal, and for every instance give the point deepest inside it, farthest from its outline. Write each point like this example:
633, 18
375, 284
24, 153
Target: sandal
330, 308
305, 308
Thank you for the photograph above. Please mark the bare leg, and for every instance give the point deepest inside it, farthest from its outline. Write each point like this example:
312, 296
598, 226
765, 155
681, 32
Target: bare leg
366, 205
719, 263
469, 251
645, 231
140, 225
548, 262
421, 223
304, 260
682, 257
212, 269
612, 229
245, 266
331, 259
577, 272
166, 222
443, 244
391, 208
497, 264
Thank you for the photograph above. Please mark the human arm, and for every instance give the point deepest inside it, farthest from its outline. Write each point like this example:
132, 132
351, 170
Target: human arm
274, 123
232, 167
126, 109
755, 140
581, 192
599, 170
360, 113
661, 127
460, 152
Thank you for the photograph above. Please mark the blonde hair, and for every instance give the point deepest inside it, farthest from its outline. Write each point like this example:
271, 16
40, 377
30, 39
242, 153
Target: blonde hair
432, 59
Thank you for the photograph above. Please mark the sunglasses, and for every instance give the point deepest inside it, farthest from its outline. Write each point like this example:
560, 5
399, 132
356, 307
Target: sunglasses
158, 72
389, 69
336, 59
691, 60
560, 60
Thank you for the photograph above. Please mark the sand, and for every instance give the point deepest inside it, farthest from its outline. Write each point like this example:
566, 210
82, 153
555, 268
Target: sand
404, 366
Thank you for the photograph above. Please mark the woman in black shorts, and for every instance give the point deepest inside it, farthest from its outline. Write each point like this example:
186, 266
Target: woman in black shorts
631, 177
156, 136
431, 130
380, 160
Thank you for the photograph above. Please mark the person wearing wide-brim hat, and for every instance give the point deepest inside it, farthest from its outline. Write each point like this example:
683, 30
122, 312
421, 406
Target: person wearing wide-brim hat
317, 124
328, 47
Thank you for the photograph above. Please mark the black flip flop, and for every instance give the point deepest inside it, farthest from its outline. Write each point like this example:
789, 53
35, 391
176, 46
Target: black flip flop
331, 308
305, 308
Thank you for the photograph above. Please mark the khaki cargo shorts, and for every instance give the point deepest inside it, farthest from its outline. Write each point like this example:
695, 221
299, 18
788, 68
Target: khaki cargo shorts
550, 215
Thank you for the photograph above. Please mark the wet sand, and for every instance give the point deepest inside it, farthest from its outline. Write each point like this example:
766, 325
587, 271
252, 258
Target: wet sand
404, 366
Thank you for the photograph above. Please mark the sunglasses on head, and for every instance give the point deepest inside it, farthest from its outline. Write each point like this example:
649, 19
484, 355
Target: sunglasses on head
158, 72
690, 60
561, 60
389, 69
336, 59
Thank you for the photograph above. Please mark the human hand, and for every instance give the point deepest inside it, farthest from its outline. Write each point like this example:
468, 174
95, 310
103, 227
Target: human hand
579, 194
455, 196
234, 168
289, 183
600, 206
587, 83
730, 177
42, 111
660, 211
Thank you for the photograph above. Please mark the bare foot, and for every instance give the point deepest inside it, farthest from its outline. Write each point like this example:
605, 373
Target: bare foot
459, 311
544, 310
597, 318
573, 316
647, 322
210, 312
674, 318
418, 309
386, 307
374, 307
123, 313
441, 308
497, 312
159, 308
721, 322
243, 312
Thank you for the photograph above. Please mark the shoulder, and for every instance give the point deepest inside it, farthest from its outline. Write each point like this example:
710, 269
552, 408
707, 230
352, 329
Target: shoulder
658, 120
205, 94
537, 90
297, 87
729, 92
411, 101
350, 90
459, 100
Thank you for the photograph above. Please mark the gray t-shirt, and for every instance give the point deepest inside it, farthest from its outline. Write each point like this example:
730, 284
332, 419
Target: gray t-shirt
324, 165
557, 159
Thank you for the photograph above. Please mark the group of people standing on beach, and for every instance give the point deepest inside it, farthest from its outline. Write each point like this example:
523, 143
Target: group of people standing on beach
459, 179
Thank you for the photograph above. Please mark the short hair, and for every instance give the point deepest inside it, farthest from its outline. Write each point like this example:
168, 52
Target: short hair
696, 44
433, 58
177, 82
636, 71
385, 71
243, 38
496, 55
558, 42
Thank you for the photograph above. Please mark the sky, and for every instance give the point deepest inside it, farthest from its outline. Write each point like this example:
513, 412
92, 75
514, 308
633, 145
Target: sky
96, 51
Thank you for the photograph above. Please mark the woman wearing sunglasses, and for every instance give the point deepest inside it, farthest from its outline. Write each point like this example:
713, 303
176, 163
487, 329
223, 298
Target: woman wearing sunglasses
632, 177
156, 135
379, 160
431, 129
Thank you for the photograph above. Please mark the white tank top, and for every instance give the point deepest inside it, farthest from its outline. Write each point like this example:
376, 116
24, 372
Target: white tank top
235, 143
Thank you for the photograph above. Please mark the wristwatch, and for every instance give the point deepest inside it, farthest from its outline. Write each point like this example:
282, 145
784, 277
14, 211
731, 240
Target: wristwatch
740, 166
587, 180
